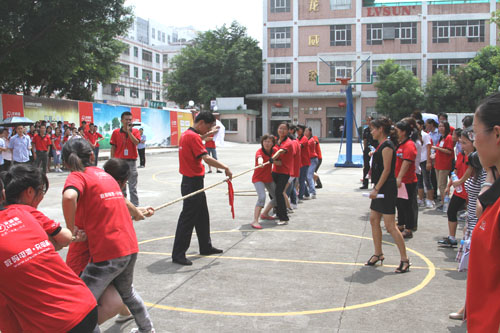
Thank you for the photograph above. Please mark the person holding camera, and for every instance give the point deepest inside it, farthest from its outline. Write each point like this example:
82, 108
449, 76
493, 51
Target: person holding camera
124, 143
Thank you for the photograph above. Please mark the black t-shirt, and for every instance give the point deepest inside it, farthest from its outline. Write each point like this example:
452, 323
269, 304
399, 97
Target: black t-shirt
378, 163
367, 135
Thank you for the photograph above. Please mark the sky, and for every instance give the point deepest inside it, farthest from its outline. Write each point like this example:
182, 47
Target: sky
203, 15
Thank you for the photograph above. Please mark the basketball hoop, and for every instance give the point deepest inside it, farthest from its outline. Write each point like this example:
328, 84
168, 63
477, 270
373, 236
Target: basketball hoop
343, 80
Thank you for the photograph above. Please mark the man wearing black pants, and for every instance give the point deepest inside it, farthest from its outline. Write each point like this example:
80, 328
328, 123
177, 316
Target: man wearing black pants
195, 210
368, 142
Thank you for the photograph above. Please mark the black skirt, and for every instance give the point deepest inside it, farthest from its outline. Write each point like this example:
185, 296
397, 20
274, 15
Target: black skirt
387, 204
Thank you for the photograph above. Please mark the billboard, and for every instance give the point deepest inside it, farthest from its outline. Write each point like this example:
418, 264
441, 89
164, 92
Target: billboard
156, 125
49, 109
107, 119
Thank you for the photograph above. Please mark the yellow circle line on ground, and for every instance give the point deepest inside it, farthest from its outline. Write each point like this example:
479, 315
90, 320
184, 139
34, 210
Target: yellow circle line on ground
430, 275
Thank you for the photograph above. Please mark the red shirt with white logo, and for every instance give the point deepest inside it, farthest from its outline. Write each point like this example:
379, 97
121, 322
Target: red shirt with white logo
312, 148
304, 151
93, 137
191, 149
102, 213
318, 148
42, 292
124, 147
444, 161
296, 159
210, 143
460, 167
407, 151
263, 174
42, 143
57, 142
286, 158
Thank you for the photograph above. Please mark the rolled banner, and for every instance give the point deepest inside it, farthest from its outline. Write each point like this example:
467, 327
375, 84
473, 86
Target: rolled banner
379, 196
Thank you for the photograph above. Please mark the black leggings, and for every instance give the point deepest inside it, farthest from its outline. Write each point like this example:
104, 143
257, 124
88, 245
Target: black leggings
456, 203
280, 180
407, 210
88, 324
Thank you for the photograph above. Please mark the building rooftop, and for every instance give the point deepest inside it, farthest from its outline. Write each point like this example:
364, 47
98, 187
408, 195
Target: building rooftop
379, 3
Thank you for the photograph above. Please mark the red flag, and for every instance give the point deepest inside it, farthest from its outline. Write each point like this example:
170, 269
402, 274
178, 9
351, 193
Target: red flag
231, 195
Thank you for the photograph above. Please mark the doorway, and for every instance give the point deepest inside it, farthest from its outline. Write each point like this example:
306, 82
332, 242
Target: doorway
315, 125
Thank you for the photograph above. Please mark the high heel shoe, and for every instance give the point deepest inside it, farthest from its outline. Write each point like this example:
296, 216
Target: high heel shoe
404, 266
379, 257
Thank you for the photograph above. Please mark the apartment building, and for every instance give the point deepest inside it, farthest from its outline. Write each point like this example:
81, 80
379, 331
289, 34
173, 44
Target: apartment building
423, 37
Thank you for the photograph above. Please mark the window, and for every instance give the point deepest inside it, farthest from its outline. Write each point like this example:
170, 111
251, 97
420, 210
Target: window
134, 92
126, 70
147, 75
340, 35
409, 65
157, 77
147, 56
405, 32
280, 6
157, 56
136, 51
126, 51
374, 34
157, 95
447, 65
473, 30
340, 69
136, 72
231, 125
280, 112
281, 73
165, 60
163, 37
280, 38
153, 33
159, 35
340, 4
148, 95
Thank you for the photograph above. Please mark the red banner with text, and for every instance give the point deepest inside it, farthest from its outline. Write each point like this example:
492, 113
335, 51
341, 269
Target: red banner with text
86, 112
12, 106
174, 129
136, 115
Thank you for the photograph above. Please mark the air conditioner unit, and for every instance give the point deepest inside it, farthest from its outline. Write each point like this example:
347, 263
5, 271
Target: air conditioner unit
389, 33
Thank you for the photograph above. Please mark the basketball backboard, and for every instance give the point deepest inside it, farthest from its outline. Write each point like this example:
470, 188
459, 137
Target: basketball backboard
357, 67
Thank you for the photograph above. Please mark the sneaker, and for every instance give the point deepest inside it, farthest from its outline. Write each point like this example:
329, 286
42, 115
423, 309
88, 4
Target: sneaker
290, 211
421, 203
429, 204
136, 330
300, 201
448, 242
121, 319
439, 208
306, 198
313, 196
294, 206
282, 222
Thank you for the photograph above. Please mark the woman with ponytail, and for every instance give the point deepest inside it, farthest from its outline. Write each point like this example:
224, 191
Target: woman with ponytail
93, 201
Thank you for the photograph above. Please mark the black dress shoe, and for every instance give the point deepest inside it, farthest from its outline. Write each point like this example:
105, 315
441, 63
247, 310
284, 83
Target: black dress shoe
364, 187
183, 261
210, 251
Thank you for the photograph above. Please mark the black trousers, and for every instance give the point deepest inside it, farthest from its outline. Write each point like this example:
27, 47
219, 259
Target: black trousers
41, 160
280, 180
88, 324
407, 210
142, 156
366, 166
194, 215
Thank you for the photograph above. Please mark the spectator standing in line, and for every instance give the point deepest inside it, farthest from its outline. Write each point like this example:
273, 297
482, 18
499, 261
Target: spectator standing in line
20, 144
93, 137
41, 144
124, 143
7, 153
56, 149
369, 144
431, 127
211, 147
141, 149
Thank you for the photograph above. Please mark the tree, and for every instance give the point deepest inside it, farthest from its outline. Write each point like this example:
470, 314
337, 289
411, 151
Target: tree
398, 91
441, 94
60, 45
223, 62
115, 123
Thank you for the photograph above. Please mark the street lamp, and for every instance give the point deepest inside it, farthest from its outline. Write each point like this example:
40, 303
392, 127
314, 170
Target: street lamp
191, 104
216, 108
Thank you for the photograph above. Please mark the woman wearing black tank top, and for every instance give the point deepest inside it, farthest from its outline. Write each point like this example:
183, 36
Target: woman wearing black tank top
382, 175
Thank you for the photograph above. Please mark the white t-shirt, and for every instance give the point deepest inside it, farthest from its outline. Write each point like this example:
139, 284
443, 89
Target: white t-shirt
426, 139
2, 145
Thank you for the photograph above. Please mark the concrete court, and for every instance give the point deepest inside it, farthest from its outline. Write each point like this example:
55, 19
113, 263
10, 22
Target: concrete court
307, 276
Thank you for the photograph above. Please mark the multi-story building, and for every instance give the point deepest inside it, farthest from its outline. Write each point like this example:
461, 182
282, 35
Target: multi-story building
421, 36
150, 46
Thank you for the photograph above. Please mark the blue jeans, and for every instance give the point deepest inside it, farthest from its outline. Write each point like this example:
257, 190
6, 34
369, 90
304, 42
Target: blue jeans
310, 175
302, 182
290, 191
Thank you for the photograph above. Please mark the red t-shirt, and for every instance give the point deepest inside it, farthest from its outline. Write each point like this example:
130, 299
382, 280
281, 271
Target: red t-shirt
286, 158
42, 143
93, 137
211, 143
318, 148
65, 139
483, 288
263, 174
296, 159
42, 292
191, 149
124, 147
444, 161
461, 166
407, 151
304, 151
102, 213
57, 142
312, 148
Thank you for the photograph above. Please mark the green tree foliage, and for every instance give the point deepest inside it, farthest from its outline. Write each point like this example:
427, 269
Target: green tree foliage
60, 45
441, 94
223, 62
398, 91
115, 123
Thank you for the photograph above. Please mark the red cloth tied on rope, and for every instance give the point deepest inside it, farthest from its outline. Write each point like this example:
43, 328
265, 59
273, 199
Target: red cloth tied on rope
231, 196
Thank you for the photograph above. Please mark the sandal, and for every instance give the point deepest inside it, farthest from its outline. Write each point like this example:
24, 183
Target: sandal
379, 257
401, 228
404, 266
407, 233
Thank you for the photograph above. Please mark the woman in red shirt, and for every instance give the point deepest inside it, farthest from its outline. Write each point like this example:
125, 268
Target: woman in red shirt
262, 179
444, 157
93, 201
459, 197
282, 168
406, 176
320, 159
56, 149
483, 290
